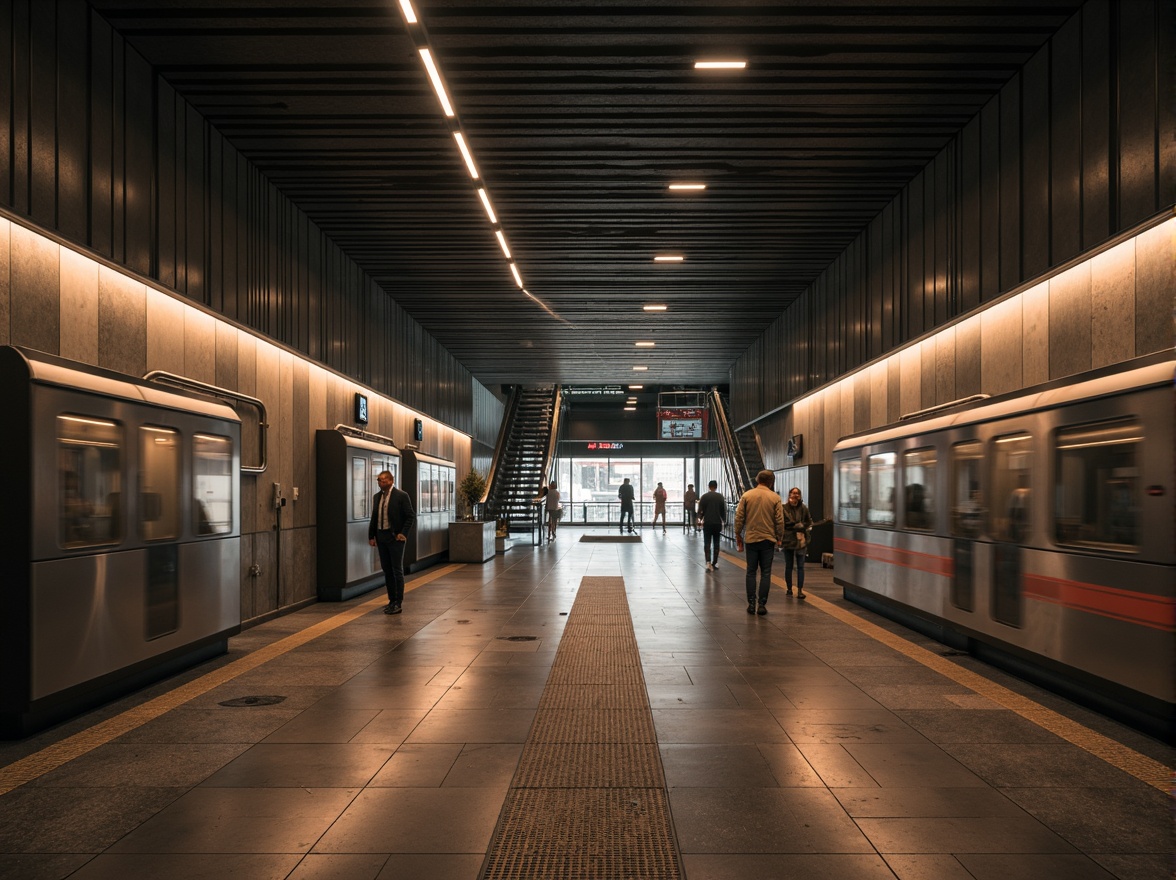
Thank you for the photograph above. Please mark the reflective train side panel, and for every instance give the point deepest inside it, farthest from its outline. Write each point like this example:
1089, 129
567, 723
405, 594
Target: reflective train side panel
1035, 528
121, 535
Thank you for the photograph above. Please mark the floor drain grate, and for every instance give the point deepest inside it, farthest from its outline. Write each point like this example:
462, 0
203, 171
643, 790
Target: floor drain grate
517, 638
242, 702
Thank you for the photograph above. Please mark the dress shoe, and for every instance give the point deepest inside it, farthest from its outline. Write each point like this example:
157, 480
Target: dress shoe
751, 608
391, 609
800, 594
788, 591
762, 609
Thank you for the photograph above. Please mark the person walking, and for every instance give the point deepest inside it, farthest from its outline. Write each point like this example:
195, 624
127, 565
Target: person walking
798, 524
626, 494
659, 506
759, 527
712, 510
689, 514
392, 520
553, 509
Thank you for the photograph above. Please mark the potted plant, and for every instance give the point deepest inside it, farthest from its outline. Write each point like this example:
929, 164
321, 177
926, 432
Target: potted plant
472, 488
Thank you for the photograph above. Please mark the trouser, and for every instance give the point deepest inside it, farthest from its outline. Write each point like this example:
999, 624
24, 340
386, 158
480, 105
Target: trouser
626, 510
711, 534
791, 553
392, 561
759, 558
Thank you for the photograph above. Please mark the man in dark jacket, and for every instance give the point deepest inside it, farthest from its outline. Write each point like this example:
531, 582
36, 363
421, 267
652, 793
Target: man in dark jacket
712, 510
392, 520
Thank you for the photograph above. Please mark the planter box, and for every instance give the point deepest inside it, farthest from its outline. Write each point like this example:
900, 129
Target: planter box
471, 541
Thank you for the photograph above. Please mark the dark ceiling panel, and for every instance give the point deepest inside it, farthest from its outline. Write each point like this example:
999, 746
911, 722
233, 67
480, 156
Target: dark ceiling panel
579, 115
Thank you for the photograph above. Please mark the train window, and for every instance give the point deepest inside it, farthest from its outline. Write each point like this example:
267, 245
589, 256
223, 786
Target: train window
381, 463
1012, 460
967, 498
159, 483
212, 484
89, 468
880, 486
359, 488
1097, 485
849, 490
918, 491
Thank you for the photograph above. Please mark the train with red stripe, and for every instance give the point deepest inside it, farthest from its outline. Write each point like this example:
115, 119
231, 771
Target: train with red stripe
1035, 530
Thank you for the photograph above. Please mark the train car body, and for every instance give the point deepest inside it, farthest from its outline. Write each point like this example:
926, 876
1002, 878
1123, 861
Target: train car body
1034, 529
430, 482
347, 467
121, 534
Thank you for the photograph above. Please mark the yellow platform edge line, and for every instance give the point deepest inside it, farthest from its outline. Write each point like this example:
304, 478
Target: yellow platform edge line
51, 757
1143, 768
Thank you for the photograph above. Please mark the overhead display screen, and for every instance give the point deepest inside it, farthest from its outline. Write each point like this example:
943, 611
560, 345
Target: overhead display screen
681, 423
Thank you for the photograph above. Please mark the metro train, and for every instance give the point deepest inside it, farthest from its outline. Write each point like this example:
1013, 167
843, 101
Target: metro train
121, 535
1034, 530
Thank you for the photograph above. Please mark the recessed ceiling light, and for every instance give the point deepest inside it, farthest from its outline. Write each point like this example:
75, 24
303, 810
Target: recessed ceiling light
654, 308
645, 344
435, 78
720, 65
636, 387
687, 187
409, 12
514, 270
465, 154
669, 258
486, 204
502, 243
639, 368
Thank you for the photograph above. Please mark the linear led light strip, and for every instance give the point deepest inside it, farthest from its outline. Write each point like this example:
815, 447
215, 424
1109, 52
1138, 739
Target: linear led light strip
417, 31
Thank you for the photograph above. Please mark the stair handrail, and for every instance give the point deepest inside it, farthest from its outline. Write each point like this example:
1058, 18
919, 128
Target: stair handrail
508, 416
553, 433
733, 462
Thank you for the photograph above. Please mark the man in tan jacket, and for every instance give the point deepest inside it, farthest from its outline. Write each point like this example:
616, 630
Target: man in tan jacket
759, 527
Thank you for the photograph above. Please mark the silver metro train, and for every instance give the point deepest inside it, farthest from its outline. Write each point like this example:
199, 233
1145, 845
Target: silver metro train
1033, 529
121, 535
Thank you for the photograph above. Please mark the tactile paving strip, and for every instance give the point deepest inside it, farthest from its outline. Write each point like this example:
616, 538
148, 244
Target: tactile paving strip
602, 834
588, 799
593, 726
587, 696
589, 765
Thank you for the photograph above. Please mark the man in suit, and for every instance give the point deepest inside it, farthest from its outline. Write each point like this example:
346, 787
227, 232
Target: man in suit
392, 520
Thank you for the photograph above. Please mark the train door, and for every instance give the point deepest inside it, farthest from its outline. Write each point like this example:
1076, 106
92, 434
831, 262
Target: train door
967, 516
1012, 458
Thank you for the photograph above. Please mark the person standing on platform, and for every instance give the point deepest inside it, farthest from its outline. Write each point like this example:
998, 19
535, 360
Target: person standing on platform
392, 520
689, 521
712, 510
626, 494
759, 527
798, 523
659, 506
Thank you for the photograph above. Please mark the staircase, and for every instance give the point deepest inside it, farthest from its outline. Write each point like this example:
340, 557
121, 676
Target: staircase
749, 445
739, 473
525, 448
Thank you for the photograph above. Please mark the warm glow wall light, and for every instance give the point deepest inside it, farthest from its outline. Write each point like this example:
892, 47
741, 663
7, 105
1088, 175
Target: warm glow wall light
640, 369
514, 270
720, 65
687, 187
408, 11
644, 344
653, 308
668, 258
502, 243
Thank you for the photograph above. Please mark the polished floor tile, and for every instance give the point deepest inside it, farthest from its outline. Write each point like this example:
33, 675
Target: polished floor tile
792, 745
